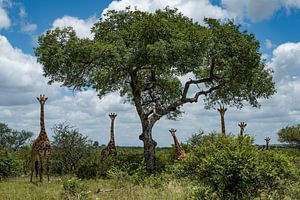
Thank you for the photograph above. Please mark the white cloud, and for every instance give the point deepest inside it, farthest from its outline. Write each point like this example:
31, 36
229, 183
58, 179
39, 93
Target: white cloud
291, 3
22, 12
29, 28
196, 9
4, 18
257, 10
262, 9
268, 44
81, 26
286, 61
20, 76
25, 25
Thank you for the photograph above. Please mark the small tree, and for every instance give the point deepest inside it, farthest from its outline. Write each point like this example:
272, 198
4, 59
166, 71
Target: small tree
9, 165
141, 55
13, 139
290, 134
69, 147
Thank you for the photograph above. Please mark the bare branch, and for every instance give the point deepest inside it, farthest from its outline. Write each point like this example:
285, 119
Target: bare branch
182, 101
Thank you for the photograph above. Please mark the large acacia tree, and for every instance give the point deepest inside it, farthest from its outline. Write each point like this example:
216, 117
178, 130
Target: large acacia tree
142, 55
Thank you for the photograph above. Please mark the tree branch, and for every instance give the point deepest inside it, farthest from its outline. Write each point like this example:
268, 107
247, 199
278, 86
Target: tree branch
182, 101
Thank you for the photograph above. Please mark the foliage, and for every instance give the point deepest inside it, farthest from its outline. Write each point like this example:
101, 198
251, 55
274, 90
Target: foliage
12, 138
290, 134
200, 138
74, 190
158, 47
88, 170
9, 165
23, 155
235, 169
141, 55
69, 147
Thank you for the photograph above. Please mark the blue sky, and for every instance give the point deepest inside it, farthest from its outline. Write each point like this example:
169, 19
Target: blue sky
274, 22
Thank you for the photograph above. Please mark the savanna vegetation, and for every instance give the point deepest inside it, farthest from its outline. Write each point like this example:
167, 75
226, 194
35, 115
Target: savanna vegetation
225, 167
142, 56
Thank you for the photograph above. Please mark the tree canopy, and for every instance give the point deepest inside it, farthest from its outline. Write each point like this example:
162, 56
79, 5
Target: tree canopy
290, 134
143, 55
13, 139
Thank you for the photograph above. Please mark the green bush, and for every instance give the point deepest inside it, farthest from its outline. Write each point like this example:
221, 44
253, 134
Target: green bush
23, 155
233, 168
88, 170
9, 165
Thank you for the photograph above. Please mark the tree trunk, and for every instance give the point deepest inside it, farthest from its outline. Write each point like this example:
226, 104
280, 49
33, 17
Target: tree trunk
149, 147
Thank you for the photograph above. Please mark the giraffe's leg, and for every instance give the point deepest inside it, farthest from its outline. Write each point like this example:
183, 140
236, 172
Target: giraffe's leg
41, 169
36, 167
48, 168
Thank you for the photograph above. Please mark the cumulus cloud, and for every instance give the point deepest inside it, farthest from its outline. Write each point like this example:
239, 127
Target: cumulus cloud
20, 75
286, 61
257, 10
191, 8
81, 26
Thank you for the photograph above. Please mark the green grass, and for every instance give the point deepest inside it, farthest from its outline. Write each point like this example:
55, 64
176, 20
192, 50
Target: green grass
22, 189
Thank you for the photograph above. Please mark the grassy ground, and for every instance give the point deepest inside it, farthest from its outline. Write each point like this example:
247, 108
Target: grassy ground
21, 189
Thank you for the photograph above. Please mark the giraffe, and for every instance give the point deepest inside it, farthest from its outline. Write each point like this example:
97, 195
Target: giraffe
110, 149
179, 150
242, 125
41, 148
222, 111
267, 139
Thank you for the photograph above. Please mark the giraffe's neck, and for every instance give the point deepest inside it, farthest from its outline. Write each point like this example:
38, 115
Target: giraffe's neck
241, 132
177, 144
42, 123
112, 134
222, 122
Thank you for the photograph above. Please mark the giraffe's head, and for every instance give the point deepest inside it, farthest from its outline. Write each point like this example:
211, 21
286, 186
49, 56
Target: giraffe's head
222, 109
267, 139
172, 131
42, 99
242, 125
112, 116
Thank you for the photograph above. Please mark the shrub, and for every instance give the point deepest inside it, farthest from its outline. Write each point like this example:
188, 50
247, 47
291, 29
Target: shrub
233, 168
9, 165
23, 156
88, 170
